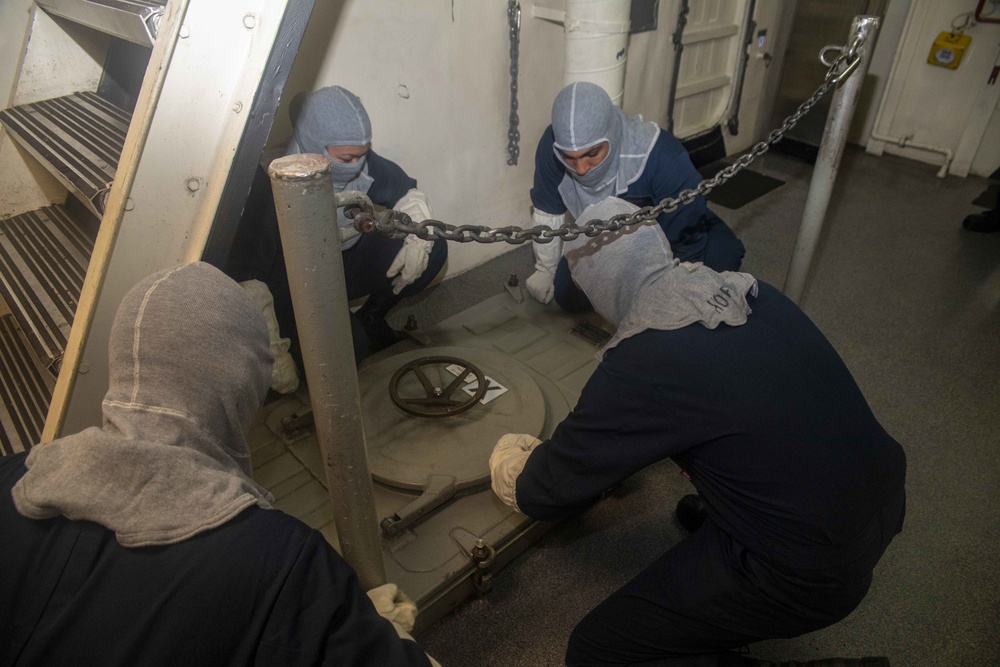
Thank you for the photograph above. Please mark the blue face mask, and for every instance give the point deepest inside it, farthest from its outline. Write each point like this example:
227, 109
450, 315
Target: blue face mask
345, 172
597, 175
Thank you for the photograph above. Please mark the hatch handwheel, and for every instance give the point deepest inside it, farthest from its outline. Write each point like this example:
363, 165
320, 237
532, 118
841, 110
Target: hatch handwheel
436, 401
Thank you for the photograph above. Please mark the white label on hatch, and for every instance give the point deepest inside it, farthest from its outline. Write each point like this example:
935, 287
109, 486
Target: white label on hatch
493, 390
455, 369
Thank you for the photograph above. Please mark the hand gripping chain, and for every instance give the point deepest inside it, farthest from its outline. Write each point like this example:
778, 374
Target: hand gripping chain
395, 224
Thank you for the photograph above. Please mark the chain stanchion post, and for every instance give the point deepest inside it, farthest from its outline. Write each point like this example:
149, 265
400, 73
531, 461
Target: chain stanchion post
307, 222
863, 32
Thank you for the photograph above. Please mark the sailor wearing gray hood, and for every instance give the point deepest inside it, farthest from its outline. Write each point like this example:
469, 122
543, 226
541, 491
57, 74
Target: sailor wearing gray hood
721, 373
146, 541
594, 150
333, 122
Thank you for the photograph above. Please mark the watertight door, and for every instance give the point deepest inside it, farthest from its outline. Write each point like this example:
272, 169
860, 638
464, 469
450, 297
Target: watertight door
710, 67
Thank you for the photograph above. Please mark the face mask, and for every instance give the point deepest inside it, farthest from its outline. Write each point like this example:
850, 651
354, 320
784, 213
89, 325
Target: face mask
598, 175
345, 172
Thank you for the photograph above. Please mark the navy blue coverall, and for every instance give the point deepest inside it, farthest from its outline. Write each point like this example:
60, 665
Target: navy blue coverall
261, 589
803, 486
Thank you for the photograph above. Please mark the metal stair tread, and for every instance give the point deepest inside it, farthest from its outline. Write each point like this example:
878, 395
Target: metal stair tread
44, 257
78, 137
134, 20
25, 391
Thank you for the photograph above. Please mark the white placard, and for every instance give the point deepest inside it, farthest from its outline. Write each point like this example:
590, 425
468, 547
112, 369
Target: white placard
455, 369
493, 389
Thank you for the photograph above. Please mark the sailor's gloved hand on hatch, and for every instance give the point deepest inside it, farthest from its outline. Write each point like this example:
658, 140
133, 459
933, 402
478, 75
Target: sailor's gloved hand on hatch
540, 284
506, 463
394, 606
411, 261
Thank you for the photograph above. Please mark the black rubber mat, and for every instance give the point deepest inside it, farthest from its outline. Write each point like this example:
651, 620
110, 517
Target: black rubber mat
741, 189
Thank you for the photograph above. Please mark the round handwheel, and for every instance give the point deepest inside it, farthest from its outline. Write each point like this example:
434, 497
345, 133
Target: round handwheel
436, 401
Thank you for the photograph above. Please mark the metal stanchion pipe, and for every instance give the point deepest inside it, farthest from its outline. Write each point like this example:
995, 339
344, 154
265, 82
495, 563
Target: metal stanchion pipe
831, 149
307, 221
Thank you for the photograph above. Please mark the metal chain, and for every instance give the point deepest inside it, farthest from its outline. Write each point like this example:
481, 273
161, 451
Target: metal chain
398, 225
513, 134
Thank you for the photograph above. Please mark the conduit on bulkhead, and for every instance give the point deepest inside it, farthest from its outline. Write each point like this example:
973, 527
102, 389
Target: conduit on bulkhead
597, 44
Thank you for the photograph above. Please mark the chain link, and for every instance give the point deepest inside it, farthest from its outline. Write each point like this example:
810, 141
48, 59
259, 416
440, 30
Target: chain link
398, 225
513, 134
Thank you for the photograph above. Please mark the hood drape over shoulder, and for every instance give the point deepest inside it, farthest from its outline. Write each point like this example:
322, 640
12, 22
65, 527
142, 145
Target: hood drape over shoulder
634, 282
189, 366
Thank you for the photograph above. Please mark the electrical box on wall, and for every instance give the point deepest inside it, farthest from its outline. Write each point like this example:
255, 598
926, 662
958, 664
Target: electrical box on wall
643, 15
948, 49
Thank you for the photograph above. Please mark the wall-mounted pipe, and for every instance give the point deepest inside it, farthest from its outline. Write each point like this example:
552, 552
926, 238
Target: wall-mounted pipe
597, 44
906, 142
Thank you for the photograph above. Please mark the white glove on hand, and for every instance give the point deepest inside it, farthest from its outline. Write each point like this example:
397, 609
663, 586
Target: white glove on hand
411, 261
540, 284
506, 463
393, 605
284, 376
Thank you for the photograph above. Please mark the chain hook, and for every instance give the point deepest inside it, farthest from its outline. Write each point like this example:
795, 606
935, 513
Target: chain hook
838, 78
354, 202
841, 67
829, 48
845, 63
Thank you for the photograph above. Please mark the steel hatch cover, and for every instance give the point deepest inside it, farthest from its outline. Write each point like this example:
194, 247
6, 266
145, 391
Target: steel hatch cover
403, 449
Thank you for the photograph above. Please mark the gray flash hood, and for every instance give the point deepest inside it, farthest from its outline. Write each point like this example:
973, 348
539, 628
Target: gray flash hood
189, 367
634, 282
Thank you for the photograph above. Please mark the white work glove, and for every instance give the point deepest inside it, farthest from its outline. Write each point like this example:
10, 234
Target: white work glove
393, 605
411, 261
506, 463
284, 375
541, 283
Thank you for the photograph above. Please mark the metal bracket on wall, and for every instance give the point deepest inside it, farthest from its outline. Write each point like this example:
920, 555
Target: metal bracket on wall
734, 117
678, 49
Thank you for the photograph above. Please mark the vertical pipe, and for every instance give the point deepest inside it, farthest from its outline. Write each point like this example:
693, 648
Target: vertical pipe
831, 149
304, 199
597, 44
